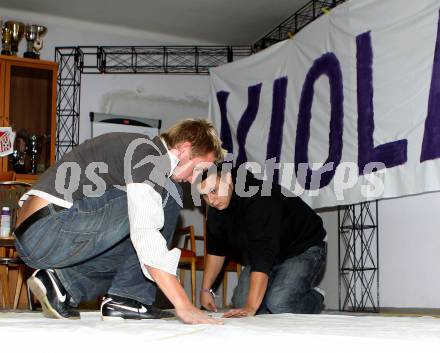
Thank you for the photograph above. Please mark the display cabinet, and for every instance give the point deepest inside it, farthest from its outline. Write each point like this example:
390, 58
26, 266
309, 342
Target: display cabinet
28, 105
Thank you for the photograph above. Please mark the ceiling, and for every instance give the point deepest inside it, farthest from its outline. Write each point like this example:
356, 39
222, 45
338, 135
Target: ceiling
217, 21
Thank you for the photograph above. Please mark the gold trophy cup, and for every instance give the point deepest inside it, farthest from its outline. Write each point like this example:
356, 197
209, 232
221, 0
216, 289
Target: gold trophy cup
6, 41
16, 32
34, 37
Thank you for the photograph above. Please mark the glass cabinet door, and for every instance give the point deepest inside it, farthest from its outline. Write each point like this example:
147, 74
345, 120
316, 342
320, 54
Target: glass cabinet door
29, 111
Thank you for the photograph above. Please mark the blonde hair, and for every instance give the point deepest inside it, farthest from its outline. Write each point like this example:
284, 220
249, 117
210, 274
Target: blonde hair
202, 135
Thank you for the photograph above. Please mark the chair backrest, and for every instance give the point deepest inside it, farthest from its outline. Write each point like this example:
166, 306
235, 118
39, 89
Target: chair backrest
188, 233
10, 193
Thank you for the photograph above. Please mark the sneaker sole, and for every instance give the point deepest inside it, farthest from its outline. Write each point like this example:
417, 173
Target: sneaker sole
112, 318
118, 318
39, 291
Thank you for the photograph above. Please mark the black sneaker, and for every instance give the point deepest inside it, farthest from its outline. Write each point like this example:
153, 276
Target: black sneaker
54, 299
115, 307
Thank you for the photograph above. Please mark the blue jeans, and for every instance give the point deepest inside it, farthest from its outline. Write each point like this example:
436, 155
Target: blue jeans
290, 286
89, 247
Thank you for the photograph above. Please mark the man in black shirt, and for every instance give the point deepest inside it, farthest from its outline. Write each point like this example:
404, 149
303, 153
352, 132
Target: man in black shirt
278, 238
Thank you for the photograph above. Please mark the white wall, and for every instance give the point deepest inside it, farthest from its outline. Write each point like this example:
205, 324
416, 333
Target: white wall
409, 248
166, 97
409, 253
69, 32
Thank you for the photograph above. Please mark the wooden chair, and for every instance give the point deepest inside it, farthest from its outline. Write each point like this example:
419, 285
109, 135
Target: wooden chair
6, 263
10, 193
188, 257
7, 176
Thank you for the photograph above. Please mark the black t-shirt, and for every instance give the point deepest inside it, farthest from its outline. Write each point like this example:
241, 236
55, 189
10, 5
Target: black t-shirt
263, 231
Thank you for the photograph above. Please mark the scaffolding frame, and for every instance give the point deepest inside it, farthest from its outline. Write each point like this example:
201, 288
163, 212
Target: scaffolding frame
358, 257
73, 62
294, 23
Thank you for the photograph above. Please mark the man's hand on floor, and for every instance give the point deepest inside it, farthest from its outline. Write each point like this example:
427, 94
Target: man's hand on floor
240, 312
191, 315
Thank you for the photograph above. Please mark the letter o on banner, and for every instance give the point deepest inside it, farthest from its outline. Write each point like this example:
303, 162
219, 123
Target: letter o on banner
328, 64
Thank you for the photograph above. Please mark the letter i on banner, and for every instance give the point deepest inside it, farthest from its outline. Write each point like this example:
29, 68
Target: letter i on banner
275, 140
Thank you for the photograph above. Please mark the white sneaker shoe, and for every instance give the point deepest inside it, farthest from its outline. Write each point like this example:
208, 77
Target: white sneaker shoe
320, 291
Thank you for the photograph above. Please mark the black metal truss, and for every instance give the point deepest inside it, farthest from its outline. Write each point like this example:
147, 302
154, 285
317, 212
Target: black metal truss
157, 59
358, 257
68, 99
75, 61
293, 24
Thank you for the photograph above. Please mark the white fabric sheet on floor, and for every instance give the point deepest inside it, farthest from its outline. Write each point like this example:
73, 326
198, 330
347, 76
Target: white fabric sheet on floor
31, 332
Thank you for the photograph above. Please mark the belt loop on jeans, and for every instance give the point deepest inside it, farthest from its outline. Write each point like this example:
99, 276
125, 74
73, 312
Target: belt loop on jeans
54, 208
47, 210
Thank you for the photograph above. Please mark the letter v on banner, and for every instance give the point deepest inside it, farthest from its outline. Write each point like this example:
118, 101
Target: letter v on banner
391, 153
431, 137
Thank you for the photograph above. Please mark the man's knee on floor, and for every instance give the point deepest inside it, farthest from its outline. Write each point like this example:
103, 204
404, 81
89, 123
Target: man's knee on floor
280, 304
294, 302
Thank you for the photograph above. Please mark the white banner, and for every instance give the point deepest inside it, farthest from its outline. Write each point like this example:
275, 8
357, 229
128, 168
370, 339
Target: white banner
346, 111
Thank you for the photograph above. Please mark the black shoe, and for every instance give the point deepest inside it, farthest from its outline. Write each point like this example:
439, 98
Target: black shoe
115, 307
54, 299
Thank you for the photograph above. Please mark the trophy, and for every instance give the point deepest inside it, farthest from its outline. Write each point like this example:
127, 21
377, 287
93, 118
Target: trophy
34, 35
18, 157
6, 41
16, 31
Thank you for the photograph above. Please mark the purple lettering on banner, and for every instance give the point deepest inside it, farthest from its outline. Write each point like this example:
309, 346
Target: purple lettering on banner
246, 121
327, 64
431, 137
391, 154
225, 130
277, 123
